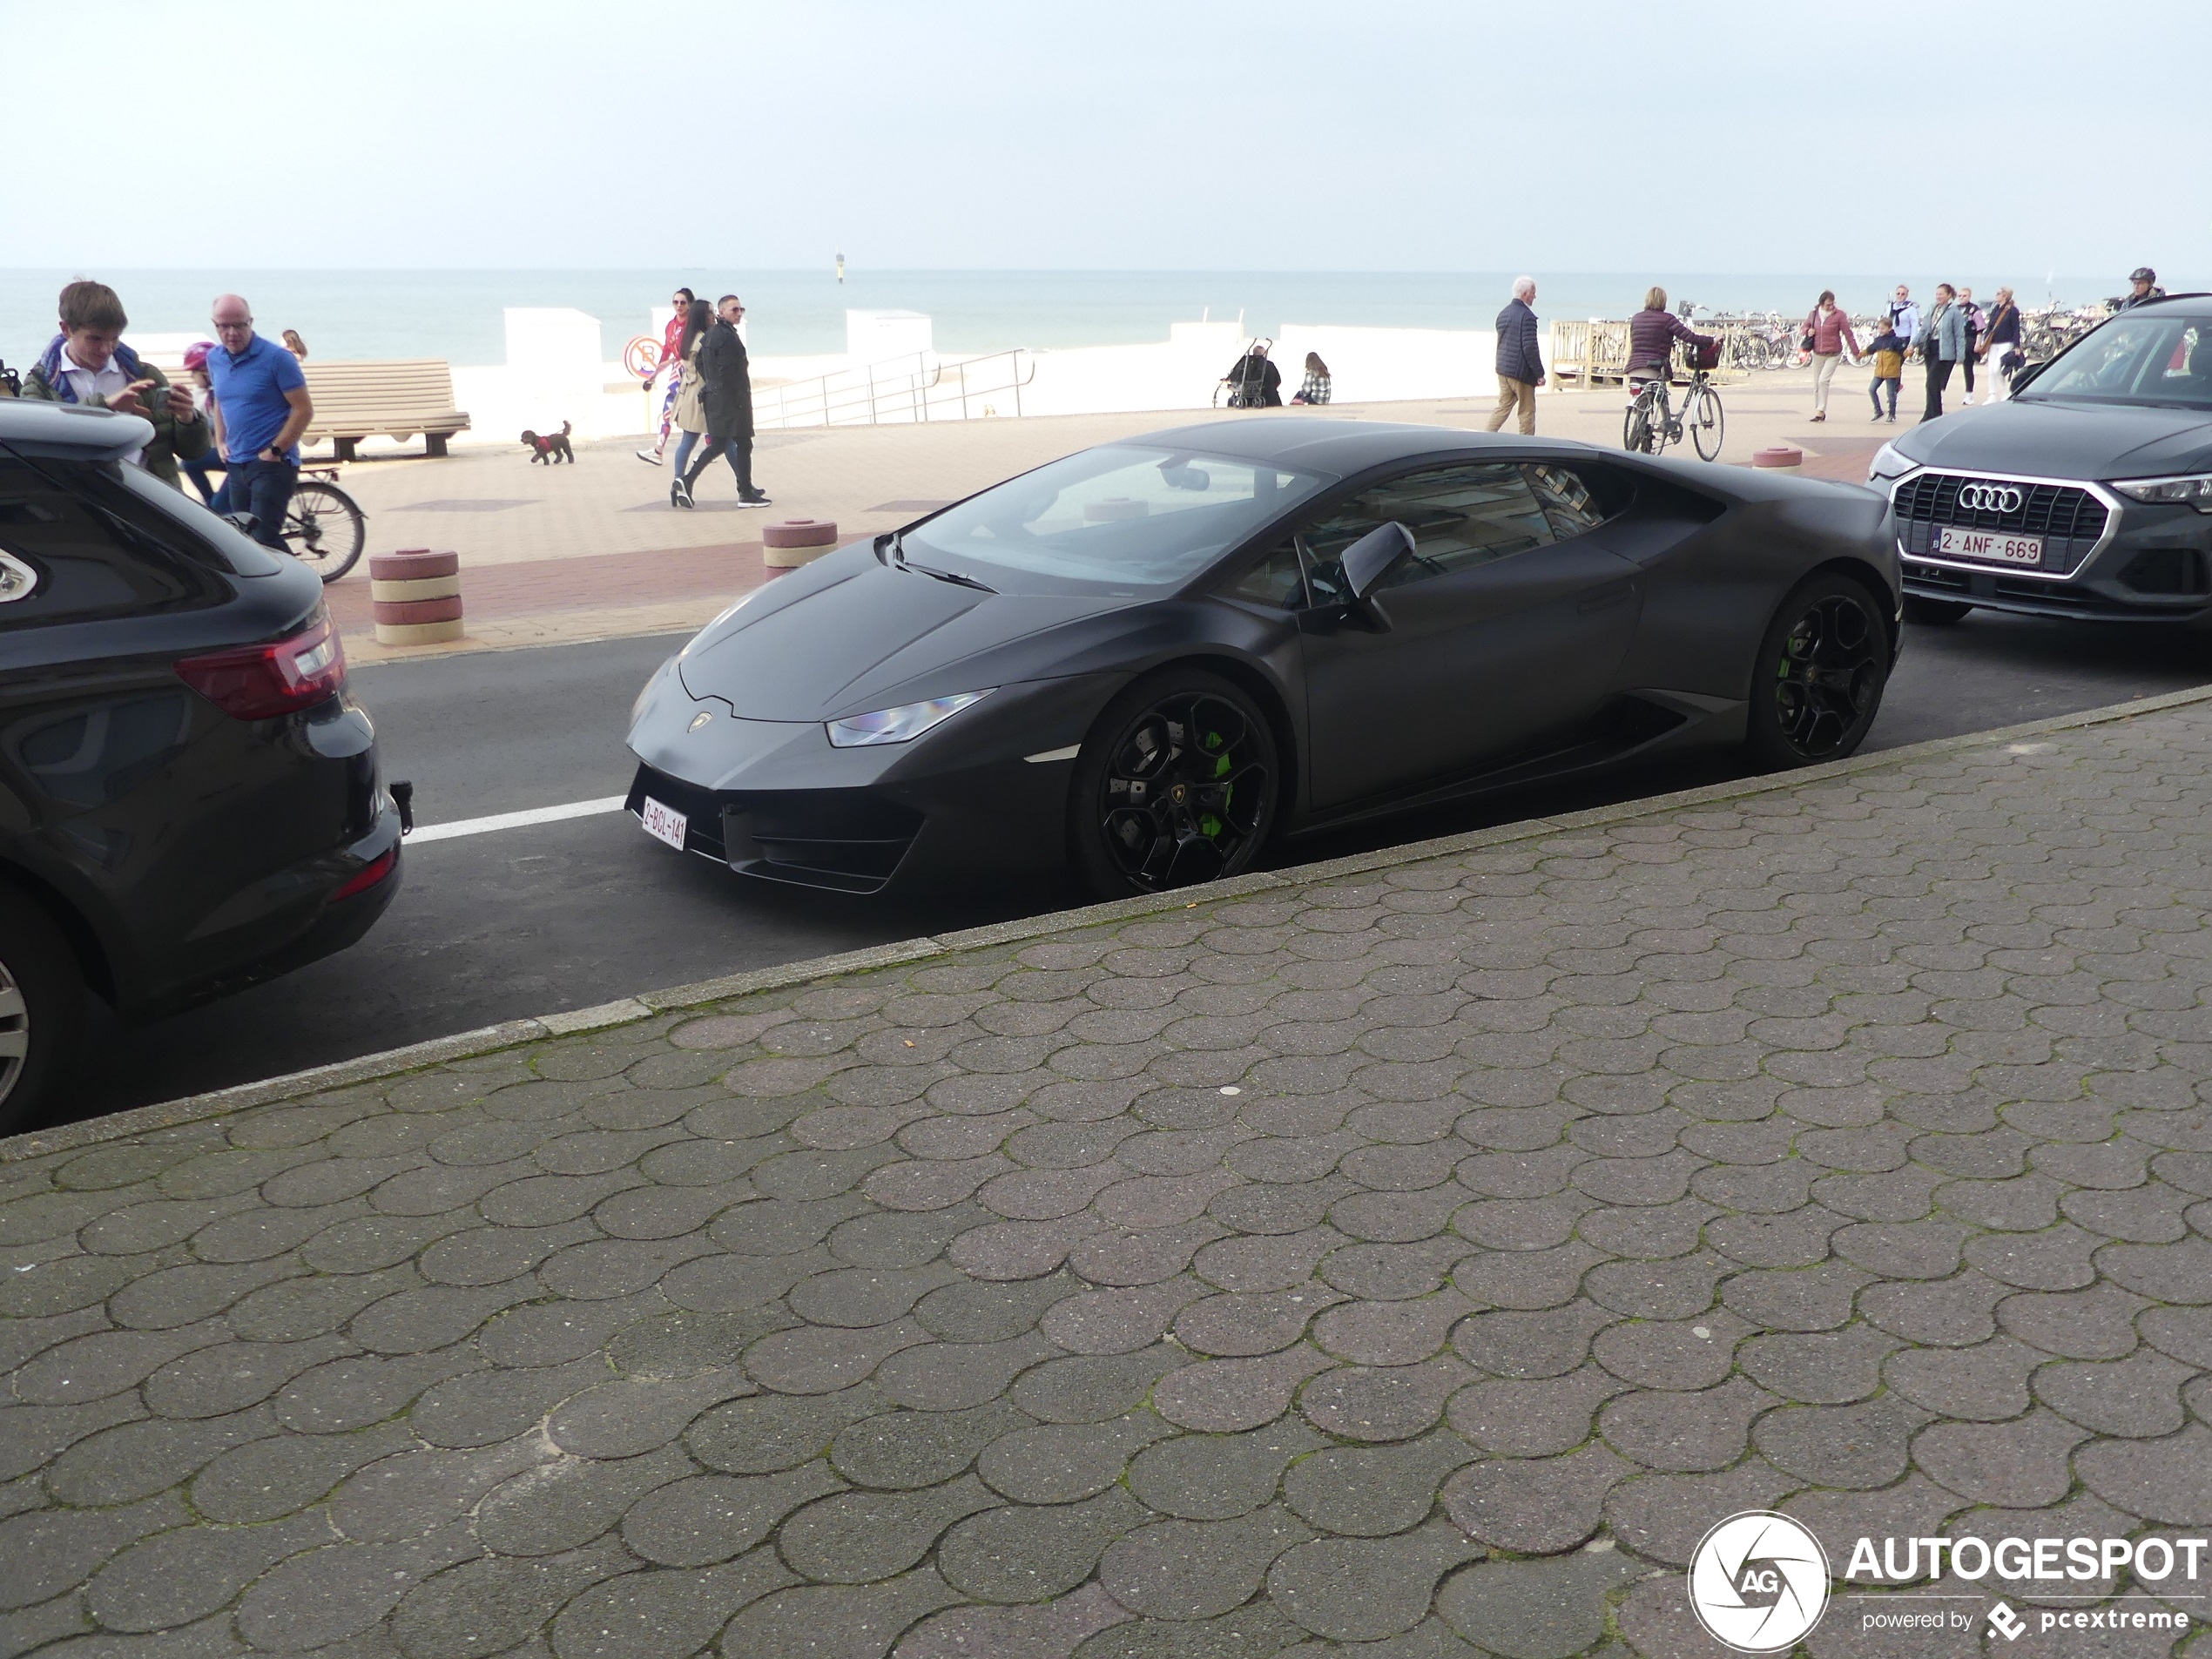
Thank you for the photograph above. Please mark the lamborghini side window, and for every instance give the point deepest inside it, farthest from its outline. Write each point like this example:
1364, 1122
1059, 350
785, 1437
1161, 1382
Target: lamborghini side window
1461, 517
1576, 500
1276, 580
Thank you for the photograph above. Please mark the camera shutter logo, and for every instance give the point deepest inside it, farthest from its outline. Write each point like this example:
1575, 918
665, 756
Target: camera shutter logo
1990, 498
1758, 1581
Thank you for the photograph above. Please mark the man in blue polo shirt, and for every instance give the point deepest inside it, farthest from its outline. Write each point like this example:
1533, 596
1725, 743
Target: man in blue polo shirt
262, 407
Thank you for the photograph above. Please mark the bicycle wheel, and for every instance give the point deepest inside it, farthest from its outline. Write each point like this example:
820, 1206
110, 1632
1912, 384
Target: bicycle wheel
1635, 428
1706, 422
324, 529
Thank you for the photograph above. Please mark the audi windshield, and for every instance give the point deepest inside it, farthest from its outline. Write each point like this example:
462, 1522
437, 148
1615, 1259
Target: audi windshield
2152, 360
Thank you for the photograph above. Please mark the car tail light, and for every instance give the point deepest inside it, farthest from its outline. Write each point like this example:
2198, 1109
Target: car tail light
260, 681
369, 874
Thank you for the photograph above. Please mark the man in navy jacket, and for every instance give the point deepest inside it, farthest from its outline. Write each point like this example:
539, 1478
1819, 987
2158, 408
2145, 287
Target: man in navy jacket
1520, 365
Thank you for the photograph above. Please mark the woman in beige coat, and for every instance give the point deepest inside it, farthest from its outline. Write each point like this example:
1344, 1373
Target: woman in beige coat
689, 413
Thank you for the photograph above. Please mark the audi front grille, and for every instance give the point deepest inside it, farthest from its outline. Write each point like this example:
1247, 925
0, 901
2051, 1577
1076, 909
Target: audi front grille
2071, 520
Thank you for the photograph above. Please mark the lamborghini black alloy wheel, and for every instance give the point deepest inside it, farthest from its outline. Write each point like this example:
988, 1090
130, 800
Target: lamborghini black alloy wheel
1178, 784
1823, 666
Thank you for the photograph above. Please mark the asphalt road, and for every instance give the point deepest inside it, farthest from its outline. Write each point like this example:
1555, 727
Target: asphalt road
563, 916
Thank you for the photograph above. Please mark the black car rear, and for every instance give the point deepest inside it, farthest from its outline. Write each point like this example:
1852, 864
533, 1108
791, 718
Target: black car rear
189, 801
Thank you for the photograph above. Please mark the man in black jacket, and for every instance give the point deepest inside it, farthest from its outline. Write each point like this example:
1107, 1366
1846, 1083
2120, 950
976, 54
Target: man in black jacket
1520, 364
727, 401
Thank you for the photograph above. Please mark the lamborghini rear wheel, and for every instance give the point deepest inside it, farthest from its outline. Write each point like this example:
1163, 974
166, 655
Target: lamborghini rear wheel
1178, 782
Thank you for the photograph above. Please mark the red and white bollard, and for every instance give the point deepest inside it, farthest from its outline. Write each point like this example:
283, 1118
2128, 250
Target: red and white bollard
416, 596
796, 542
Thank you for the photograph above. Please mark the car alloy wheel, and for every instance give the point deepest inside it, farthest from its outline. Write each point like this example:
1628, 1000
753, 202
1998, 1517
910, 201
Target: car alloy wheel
1821, 668
42, 1006
14, 1035
1177, 785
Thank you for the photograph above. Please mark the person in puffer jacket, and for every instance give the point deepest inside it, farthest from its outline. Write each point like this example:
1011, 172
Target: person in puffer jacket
1652, 334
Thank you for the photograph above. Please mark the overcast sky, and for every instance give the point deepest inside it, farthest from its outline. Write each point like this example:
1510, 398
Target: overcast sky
1569, 135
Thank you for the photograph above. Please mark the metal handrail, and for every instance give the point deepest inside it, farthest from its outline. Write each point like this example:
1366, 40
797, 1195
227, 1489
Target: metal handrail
899, 389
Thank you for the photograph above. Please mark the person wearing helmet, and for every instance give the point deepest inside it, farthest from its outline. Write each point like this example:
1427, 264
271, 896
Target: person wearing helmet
196, 373
2143, 288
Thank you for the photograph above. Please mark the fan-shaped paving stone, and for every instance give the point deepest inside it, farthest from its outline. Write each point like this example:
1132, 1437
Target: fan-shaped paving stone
1663, 1516
1548, 1343
1053, 1631
1374, 1491
566, 1504
1061, 1462
1089, 1389
905, 1449
1852, 1447
714, 1518
1196, 1569
2166, 1481
859, 1537
2022, 1464
661, 1614
1382, 1403
1536, 1609
1359, 1589
836, 1621
1705, 1429
1818, 1368
1535, 1505
767, 1432
1533, 1419
1024, 1554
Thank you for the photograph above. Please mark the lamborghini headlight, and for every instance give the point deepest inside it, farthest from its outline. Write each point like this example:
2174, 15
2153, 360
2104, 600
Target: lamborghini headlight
903, 723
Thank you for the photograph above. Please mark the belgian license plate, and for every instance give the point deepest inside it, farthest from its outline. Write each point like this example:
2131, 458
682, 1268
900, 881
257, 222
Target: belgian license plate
665, 823
1989, 544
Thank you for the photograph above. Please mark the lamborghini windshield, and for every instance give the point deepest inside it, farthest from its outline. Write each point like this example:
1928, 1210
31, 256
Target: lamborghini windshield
1124, 517
2142, 357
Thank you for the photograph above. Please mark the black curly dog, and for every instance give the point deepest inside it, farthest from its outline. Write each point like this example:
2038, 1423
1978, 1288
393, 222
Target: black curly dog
552, 448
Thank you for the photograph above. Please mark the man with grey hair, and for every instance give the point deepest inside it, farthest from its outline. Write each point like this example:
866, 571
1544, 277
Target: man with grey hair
1520, 364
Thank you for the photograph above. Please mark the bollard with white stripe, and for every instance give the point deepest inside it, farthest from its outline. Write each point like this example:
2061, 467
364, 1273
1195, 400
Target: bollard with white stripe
416, 596
796, 542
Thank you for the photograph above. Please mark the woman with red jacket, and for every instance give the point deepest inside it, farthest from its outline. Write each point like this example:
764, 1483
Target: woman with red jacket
1830, 328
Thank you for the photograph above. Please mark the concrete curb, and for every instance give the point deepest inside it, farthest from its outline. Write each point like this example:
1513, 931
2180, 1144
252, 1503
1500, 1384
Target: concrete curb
646, 1005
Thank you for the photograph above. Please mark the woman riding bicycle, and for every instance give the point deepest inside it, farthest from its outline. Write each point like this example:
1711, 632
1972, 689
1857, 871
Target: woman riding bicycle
1652, 334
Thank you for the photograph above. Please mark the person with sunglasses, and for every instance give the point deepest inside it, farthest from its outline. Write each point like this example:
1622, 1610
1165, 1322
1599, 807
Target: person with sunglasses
672, 371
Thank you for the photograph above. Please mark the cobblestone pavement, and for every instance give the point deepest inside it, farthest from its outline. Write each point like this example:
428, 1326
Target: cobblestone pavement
1423, 1259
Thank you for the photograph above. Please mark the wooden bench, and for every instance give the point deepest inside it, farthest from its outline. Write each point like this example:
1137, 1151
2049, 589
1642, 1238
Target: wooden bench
394, 398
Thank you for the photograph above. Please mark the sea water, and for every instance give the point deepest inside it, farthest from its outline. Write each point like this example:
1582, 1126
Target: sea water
456, 314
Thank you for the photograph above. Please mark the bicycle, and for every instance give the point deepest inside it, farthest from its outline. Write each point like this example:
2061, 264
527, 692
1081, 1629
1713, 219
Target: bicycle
324, 528
1651, 423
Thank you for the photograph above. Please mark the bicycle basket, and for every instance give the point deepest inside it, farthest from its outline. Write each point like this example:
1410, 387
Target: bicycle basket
1705, 356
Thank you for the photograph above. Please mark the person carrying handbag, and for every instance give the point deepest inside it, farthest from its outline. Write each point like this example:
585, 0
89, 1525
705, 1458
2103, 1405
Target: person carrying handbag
1827, 336
2000, 345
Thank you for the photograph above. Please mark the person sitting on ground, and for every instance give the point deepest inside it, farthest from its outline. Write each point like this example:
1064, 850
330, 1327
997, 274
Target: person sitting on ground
1652, 334
1315, 387
88, 363
1254, 383
293, 344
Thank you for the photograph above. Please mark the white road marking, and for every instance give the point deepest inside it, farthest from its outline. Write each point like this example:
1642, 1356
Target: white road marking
515, 820
1068, 753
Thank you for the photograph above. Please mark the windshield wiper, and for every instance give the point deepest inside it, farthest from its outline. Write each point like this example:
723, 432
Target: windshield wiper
896, 544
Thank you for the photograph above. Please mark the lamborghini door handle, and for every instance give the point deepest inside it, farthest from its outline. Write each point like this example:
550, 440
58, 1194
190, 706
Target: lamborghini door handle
1605, 596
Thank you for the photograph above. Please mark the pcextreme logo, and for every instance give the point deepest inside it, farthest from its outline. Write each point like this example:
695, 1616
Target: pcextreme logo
1758, 1581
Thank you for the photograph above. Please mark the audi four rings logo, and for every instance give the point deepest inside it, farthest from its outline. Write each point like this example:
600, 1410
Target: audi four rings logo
1990, 498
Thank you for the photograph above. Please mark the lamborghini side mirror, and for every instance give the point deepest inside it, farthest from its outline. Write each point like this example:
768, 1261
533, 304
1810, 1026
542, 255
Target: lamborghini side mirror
1366, 559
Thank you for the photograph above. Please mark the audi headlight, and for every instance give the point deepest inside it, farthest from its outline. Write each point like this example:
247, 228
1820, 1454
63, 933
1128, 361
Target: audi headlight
901, 725
1888, 463
2195, 490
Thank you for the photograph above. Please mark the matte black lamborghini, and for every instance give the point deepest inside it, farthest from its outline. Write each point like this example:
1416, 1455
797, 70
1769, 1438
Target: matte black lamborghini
1148, 658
